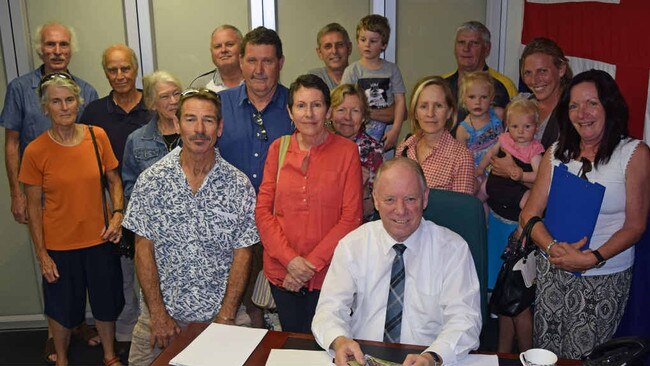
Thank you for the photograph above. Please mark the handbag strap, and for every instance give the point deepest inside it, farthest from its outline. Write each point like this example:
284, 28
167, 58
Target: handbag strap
528, 230
101, 174
284, 146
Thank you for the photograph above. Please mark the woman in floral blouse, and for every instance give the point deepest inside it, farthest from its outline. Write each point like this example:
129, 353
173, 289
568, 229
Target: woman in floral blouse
349, 114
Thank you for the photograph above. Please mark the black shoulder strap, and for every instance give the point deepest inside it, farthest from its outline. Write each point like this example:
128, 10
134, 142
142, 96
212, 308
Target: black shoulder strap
102, 177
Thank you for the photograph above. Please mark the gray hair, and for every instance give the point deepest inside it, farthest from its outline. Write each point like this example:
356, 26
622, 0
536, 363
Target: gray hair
475, 26
67, 83
121, 47
224, 27
38, 36
151, 81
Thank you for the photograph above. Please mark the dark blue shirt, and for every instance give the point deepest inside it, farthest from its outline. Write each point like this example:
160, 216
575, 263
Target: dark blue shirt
239, 143
117, 123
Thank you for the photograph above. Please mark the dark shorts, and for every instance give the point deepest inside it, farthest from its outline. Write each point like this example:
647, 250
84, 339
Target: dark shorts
95, 269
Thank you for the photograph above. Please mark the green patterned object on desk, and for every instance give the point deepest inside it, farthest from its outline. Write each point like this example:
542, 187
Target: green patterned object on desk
373, 361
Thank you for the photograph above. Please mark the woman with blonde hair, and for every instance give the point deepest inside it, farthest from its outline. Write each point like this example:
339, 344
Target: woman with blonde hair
447, 163
350, 112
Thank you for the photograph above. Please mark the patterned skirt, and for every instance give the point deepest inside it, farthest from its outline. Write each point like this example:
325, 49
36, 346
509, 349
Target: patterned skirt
574, 314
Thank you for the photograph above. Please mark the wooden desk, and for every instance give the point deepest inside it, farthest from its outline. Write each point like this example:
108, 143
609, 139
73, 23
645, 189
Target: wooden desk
274, 339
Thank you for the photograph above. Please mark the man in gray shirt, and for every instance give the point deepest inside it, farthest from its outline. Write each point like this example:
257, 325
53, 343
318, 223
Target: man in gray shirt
334, 48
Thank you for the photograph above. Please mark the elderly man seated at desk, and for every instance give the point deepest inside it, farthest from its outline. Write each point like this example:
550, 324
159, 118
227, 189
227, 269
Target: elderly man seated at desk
401, 280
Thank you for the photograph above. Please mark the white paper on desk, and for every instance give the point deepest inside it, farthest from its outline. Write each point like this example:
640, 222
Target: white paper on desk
479, 360
220, 345
294, 357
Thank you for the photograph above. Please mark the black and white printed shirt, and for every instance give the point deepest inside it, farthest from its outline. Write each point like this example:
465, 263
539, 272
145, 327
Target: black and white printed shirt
194, 234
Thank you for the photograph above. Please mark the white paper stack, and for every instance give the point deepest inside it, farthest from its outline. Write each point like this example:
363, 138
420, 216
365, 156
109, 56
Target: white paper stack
220, 345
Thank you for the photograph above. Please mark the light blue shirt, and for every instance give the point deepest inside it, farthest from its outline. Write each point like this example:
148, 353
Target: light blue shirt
22, 111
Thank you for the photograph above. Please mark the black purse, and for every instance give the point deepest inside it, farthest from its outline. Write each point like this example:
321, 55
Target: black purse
511, 295
626, 351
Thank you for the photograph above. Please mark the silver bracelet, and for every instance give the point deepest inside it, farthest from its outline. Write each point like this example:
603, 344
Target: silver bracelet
550, 246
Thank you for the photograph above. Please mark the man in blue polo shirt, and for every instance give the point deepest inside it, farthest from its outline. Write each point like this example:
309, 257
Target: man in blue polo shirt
254, 114
123, 110
22, 116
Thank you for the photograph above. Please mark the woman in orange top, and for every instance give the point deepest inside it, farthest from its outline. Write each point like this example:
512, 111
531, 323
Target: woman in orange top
308, 206
73, 237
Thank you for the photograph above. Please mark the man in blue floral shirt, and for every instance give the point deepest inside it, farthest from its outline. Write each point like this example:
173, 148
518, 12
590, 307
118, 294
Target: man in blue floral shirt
193, 215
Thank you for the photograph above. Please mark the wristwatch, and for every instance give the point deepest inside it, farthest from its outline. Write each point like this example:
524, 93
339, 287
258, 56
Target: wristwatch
600, 259
437, 360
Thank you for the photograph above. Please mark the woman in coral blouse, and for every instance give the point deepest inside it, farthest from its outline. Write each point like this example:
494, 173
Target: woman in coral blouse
447, 164
306, 207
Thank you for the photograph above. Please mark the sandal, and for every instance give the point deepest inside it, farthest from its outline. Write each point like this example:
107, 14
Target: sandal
87, 334
49, 351
113, 361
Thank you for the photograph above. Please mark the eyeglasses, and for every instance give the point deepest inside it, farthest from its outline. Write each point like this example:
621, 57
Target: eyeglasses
261, 133
586, 168
50, 77
168, 96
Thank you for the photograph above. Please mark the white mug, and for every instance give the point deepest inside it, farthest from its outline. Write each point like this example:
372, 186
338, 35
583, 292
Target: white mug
538, 357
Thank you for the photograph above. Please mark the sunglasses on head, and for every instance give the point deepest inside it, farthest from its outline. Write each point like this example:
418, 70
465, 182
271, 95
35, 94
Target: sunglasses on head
50, 77
202, 91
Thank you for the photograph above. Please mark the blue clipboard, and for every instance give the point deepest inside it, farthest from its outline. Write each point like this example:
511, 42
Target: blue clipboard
573, 206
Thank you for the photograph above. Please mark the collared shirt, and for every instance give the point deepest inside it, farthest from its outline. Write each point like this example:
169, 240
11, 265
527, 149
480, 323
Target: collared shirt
194, 234
442, 308
306, 213
117, 123
210, 80
448, 166
22, 110
239, 144
144, 147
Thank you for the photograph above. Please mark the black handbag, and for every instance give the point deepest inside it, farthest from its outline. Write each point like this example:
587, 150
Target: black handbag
511, 295
626, 351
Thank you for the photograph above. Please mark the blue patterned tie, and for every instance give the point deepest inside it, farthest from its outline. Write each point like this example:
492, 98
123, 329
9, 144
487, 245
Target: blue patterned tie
393, 326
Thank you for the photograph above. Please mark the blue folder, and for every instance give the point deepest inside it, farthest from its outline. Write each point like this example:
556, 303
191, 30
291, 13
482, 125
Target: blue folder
573, 206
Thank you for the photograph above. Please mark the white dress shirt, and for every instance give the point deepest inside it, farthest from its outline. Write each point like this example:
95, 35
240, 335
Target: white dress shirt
441, 294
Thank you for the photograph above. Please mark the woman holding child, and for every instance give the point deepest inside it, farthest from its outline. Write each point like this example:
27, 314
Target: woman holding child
574, 314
